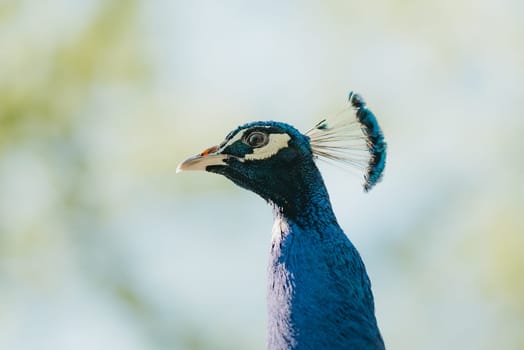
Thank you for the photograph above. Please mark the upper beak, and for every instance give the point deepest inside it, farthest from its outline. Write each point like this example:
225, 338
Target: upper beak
201, 161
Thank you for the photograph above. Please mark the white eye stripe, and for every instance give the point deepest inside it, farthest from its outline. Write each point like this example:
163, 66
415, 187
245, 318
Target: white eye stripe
238, 136
275, 144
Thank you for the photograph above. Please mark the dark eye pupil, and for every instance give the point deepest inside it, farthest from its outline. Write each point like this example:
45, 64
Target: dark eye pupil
256, 139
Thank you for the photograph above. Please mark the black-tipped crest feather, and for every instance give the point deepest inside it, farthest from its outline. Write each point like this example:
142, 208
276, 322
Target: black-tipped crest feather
356, 140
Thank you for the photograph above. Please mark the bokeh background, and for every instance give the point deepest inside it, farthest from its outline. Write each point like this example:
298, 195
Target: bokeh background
102, 246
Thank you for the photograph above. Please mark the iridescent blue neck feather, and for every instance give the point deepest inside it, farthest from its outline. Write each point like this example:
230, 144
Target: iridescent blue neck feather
319, 294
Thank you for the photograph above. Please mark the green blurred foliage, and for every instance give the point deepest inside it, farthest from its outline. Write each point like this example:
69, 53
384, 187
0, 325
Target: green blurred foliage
43, 91
43, 88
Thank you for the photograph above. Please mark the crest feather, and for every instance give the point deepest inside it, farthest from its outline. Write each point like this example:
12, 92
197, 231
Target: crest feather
352, 137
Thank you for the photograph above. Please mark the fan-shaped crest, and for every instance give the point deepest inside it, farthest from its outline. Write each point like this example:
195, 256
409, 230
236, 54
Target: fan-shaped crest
352, 137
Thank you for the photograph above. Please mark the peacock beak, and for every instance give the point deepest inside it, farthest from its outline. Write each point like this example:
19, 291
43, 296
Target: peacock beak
202, 160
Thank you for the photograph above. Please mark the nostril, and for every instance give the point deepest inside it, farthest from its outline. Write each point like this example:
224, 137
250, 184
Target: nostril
209, 150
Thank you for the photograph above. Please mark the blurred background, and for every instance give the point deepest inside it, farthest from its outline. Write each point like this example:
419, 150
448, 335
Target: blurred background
102, 246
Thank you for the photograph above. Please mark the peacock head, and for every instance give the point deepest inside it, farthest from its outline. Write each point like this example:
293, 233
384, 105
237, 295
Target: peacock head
266, 157
276, 161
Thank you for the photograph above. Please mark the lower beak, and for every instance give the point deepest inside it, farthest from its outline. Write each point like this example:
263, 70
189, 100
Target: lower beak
201, 162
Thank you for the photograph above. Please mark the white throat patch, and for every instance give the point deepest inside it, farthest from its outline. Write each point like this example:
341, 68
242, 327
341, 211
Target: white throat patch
280, 228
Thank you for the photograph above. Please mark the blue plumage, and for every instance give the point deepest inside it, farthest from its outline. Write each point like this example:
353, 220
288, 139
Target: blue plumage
319, 294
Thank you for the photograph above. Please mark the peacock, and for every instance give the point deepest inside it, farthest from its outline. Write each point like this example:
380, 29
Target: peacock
319, 293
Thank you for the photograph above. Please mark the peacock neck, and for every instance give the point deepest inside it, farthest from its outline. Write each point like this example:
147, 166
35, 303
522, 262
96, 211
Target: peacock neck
319, 294
306, 201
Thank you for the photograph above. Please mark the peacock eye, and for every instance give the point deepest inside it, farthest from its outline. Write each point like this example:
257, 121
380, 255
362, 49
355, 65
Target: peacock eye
257, 139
